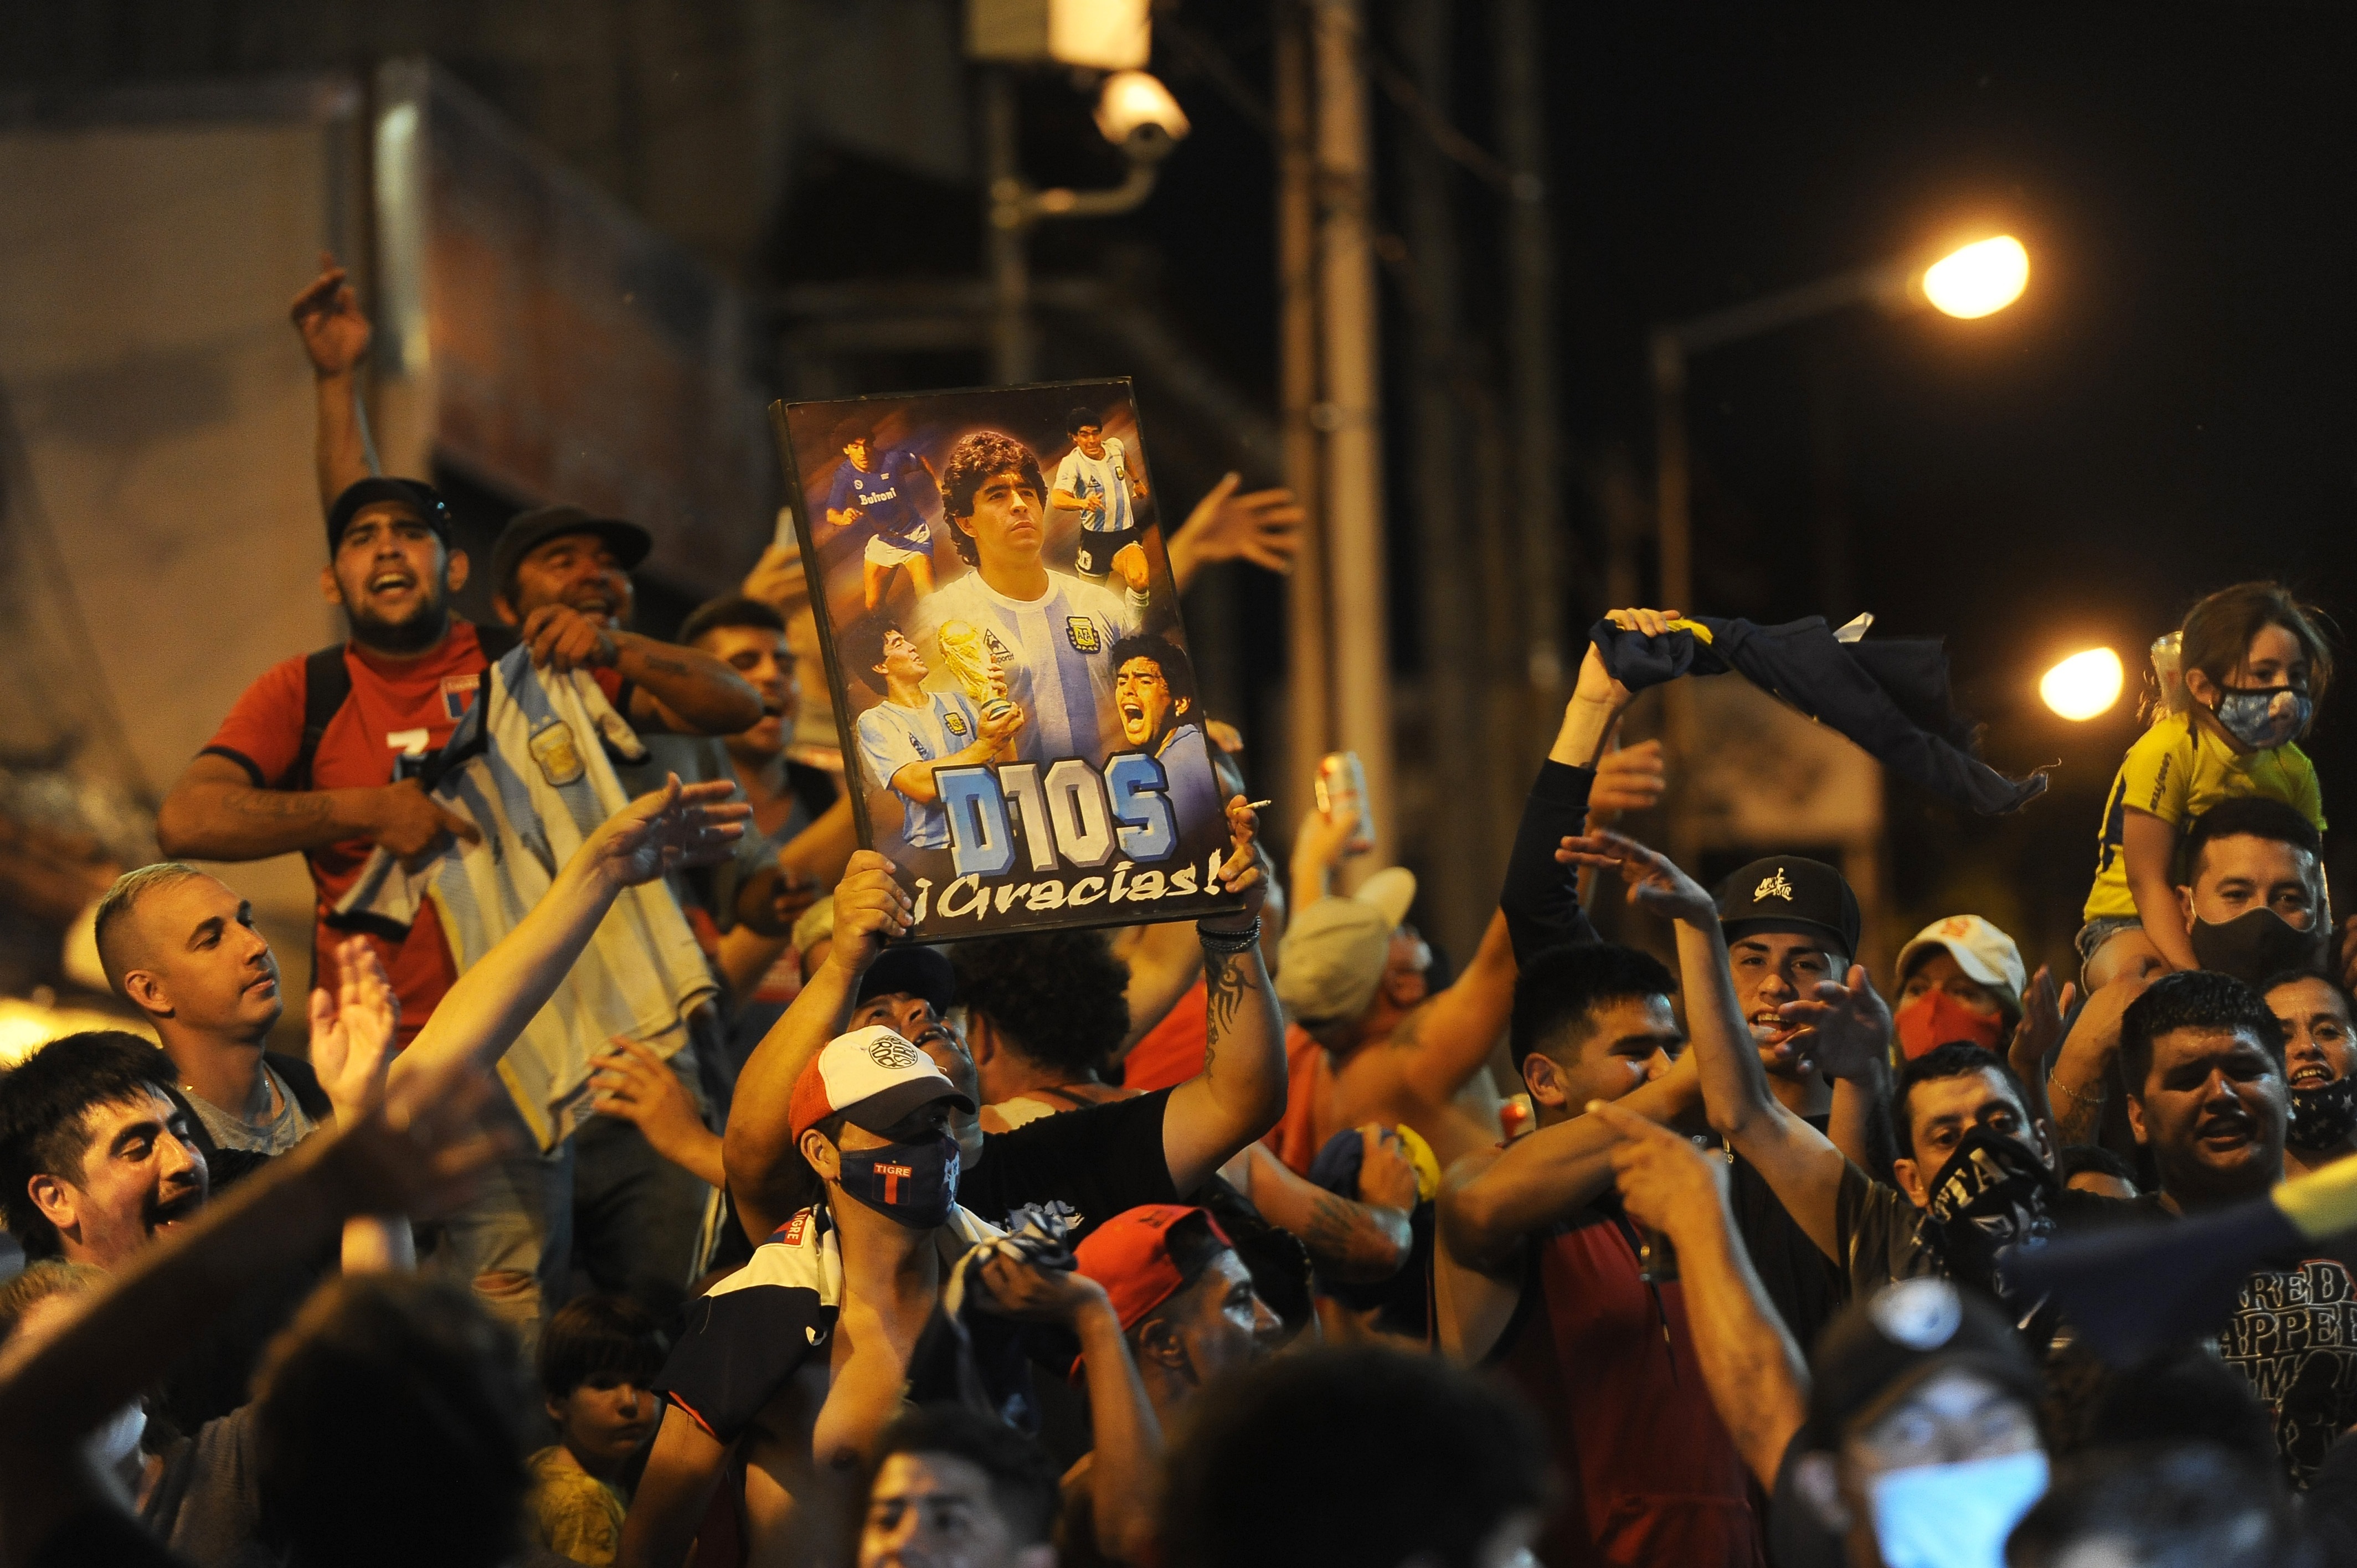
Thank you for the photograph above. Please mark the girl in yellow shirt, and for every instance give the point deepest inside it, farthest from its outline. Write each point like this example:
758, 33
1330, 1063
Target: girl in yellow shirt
2253, 667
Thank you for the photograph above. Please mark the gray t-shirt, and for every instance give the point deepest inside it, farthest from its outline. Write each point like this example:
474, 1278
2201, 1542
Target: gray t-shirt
231, 1131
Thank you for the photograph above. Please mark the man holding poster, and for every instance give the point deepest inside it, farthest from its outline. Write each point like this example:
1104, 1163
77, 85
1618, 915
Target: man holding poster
1051, 634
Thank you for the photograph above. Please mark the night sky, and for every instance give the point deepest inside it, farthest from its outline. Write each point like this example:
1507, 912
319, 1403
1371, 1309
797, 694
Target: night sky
2162, 413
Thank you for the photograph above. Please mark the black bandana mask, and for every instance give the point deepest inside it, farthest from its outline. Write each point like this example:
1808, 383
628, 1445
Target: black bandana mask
2321, 1118
2256, 945
1992, 1194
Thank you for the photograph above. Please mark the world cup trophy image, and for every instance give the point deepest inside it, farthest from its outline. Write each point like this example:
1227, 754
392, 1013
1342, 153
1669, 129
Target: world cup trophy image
967, 655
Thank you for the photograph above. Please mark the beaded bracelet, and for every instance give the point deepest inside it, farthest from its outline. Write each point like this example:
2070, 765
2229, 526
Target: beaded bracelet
1242, 939
2071, 1093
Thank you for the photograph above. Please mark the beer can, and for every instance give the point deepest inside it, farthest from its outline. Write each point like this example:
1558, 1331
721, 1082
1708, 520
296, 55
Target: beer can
1342, 783
1515, 1117
1657, 1260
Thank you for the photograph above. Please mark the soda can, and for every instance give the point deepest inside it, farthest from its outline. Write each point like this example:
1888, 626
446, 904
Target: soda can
1342, 783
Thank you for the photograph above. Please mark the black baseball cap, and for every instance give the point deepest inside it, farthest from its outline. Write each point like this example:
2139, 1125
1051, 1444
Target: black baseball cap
1789, 893
416, 494
1878, 1349
912, 970
527, 530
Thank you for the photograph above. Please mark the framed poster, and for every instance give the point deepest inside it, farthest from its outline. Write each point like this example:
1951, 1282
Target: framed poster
1021, 726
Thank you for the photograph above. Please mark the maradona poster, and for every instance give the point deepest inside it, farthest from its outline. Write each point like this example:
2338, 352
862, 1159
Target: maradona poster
1002, 638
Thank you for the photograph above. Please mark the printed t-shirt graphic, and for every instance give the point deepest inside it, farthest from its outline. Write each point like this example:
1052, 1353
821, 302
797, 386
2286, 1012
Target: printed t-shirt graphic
1055, 654
397, 708
892, 736
888, 496
1081, 476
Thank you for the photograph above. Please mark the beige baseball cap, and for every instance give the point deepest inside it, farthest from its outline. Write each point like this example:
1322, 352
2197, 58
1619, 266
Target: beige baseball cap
1980, 949
1333, 957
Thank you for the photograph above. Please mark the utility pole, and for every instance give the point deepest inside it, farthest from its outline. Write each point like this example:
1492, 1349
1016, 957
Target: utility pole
1309, 679
1531, 354
1456, 854
1010, 265
1349, 414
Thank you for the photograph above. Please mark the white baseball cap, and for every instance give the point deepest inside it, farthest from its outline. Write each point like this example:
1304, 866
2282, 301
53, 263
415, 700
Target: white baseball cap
1980, 949
873, 1077
1333, 953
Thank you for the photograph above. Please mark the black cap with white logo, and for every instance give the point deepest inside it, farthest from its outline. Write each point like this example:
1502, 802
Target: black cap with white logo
1789, 893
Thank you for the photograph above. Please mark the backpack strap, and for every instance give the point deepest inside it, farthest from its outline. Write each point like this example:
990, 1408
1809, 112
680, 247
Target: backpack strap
497, 639
326, 682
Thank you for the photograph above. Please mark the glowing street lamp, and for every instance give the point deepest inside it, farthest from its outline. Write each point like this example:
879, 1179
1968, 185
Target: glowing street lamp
2085, 685
1979, 280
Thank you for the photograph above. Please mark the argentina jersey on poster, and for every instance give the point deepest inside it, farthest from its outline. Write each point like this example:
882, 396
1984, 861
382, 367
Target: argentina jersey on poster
1106, 478
891, 738
1054, 653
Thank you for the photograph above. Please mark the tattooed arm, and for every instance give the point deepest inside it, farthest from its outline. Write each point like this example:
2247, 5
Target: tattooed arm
684, 689
1357, 1243
1240, 1093
217, 812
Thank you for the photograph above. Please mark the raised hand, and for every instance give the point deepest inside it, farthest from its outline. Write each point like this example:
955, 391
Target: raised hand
352, 1030
1387, 1175
1263, 527
777, 578
1654, 881
1241, 872
1844, 1029
564, 640
327, 316
2040, 1035
870, 909
1628, 779
677, 826
630, 1082
1666, 1184
1029, 1294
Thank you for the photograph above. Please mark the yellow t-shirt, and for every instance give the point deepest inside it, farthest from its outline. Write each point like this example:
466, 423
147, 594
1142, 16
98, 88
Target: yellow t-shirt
574, 1514
2176, 771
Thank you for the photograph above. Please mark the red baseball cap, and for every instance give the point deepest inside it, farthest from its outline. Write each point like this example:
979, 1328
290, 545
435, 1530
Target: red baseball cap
873, 1078
1130, 1256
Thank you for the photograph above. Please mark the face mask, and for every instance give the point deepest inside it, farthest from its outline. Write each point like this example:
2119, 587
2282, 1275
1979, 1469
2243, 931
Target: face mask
1935, 1017
2265, 718
2322, 1118
1992, 1194
1954, 1516
2256, 945
914, 1184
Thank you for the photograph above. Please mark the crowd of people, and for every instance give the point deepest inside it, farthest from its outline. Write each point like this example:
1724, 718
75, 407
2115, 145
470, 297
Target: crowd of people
640, 1197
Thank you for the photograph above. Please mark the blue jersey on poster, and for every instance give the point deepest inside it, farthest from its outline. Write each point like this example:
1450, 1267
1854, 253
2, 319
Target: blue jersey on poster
887, 494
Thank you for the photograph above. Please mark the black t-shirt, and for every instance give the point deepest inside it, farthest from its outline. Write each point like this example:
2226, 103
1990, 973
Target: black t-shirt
1803, 1284
1101, 1159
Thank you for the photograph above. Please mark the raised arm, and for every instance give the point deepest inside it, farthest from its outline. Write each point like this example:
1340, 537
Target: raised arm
1354, 1241
1488, 1206
1800, 1163
352, 1032
327, 317
1125, 1466
1240, 1093
1753, 1371
683, 690
2082, 1076
756, 1148
690, 825
415, 1153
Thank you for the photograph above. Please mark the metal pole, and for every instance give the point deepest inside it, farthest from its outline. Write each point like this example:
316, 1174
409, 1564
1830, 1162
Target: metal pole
1351, 415
1308, 729
1007, 223
1531, 352
1674, 539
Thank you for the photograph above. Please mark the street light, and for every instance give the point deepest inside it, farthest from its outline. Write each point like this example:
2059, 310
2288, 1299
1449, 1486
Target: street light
2083, 686
1979, 280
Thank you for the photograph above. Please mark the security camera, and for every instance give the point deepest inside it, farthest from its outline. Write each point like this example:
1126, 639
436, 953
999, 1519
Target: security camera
1136, 113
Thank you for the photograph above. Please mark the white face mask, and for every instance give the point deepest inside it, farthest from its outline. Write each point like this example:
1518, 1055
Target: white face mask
116, 1441
1954, 1516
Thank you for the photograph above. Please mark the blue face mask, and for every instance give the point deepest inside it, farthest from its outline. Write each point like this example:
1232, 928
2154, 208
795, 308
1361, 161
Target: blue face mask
915, 1184
2265, 718
1955, 1516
